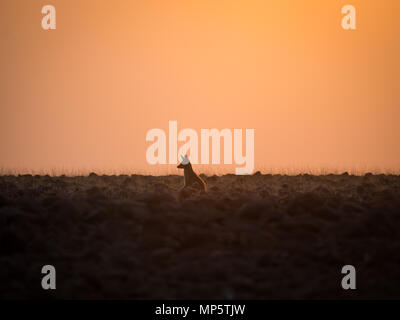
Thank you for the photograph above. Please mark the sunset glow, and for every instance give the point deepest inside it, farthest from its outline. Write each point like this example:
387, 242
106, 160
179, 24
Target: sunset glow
82, 97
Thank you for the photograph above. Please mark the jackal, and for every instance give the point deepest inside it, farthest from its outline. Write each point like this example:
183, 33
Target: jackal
192, 180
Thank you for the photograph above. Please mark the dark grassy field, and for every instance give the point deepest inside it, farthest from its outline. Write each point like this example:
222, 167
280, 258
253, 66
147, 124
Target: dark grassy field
259, 237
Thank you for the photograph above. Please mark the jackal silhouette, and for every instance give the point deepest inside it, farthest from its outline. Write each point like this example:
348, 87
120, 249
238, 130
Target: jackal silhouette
192, 180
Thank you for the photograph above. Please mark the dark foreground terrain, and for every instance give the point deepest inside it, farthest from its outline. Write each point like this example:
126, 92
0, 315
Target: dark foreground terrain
260, 236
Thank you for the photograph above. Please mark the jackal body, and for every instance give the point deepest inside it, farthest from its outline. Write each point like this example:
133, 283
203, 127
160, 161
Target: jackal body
192, 180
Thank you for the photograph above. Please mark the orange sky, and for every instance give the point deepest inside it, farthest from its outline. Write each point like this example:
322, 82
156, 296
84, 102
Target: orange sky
82, 97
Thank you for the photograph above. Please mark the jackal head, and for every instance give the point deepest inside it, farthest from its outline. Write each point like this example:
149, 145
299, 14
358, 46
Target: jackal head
185, 162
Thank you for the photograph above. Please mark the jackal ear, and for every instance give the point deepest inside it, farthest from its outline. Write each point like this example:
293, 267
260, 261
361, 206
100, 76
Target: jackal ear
185, 159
